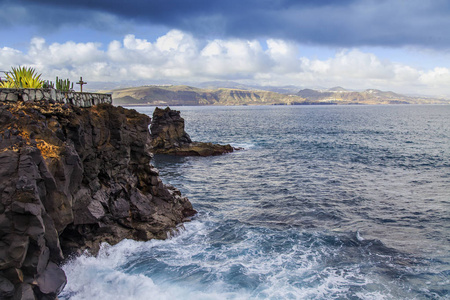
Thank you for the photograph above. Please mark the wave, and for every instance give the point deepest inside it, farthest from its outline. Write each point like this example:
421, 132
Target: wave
320, 204
231, 260
245, 146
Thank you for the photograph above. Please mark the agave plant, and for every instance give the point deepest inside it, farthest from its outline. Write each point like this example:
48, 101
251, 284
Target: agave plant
6, 84
23, 77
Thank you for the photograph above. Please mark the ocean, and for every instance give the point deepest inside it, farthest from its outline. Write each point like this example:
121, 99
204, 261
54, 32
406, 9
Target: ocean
322, 202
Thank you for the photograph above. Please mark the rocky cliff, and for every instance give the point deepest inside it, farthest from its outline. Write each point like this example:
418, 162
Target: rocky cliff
169, 137
71, 178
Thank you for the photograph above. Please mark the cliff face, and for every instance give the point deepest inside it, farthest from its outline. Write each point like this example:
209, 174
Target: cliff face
169, 137
168, 129
71, 178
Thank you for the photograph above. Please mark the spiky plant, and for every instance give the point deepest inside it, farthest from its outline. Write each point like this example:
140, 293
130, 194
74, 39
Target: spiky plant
48, 85
6, 84
63, 85
23, 77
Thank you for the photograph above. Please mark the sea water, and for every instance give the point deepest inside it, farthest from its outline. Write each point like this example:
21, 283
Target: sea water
323, 202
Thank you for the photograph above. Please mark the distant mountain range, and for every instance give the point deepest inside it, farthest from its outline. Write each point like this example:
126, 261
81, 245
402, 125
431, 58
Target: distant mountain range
174, 95
340, 95
237, 94
287, 89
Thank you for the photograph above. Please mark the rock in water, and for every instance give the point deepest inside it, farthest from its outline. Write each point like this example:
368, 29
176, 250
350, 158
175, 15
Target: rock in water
71, 178
169, 137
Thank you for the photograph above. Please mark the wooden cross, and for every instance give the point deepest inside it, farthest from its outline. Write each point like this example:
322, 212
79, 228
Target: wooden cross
81, 82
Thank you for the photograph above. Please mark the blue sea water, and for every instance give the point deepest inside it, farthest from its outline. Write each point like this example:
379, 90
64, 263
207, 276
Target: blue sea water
323, 202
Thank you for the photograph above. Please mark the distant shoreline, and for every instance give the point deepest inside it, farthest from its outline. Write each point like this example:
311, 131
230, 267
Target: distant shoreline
180, 95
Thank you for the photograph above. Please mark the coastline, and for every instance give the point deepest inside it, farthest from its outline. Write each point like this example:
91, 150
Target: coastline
72, 178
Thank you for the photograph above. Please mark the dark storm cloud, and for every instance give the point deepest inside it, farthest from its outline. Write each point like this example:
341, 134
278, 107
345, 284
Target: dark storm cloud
323, 22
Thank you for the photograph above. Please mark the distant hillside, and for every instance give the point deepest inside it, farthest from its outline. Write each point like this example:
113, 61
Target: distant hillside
337, 89
214, 85
340, 95
185, 95
174, 95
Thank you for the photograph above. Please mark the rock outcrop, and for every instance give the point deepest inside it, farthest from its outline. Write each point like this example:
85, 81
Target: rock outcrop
169, 137
71, 178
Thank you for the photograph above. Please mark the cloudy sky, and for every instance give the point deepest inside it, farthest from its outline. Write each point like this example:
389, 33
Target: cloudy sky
398, 45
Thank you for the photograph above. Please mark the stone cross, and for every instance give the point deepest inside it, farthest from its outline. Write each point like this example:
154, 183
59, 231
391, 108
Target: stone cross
81, 82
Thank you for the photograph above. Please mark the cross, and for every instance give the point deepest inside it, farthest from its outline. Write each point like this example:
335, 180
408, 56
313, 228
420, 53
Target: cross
81, 82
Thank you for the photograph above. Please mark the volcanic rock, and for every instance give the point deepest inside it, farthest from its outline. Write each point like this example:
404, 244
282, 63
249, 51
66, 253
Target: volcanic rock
169, 137
70, 179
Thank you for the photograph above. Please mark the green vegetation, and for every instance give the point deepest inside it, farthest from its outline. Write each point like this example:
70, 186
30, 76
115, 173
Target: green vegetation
48, 85
22, 77
6, 84
27, 77
63, 85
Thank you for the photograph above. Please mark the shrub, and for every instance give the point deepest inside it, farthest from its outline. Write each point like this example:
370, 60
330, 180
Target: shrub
22, 77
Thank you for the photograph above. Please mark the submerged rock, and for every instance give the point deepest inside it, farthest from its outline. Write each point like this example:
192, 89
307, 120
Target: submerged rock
71, 178
169, 137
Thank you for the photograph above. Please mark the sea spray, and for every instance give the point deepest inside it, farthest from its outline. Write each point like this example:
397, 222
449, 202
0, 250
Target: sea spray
350, 208
210, 260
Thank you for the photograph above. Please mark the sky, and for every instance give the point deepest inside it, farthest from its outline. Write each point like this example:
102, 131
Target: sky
396, 45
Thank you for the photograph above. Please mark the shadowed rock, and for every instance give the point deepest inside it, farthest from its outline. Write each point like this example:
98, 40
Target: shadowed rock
71, 178
169, 137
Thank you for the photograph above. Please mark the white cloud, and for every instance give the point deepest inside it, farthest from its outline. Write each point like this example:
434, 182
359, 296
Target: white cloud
232, 58
436, 78
358, 64
9, 58
132, 43
176, 41
180, 57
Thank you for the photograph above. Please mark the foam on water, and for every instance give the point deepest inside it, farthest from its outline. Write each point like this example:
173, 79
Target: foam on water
243, 146
206, 261
322, 203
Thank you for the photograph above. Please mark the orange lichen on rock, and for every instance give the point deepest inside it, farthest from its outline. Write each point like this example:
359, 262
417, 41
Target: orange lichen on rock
71, 178
48, 150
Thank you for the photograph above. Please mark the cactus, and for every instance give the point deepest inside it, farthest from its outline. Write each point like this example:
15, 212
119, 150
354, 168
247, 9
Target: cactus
63, 85
48, 85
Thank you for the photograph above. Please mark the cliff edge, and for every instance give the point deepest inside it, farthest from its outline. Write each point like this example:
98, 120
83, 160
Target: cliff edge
71, 178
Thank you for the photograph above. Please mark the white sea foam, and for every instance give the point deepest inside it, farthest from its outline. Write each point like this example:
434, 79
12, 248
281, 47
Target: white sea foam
102, 278
324, 171
359, 236
244, 146
194, 265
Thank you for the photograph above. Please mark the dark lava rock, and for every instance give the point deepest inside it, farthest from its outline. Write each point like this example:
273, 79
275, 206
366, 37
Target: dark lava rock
71, 178
169, 137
